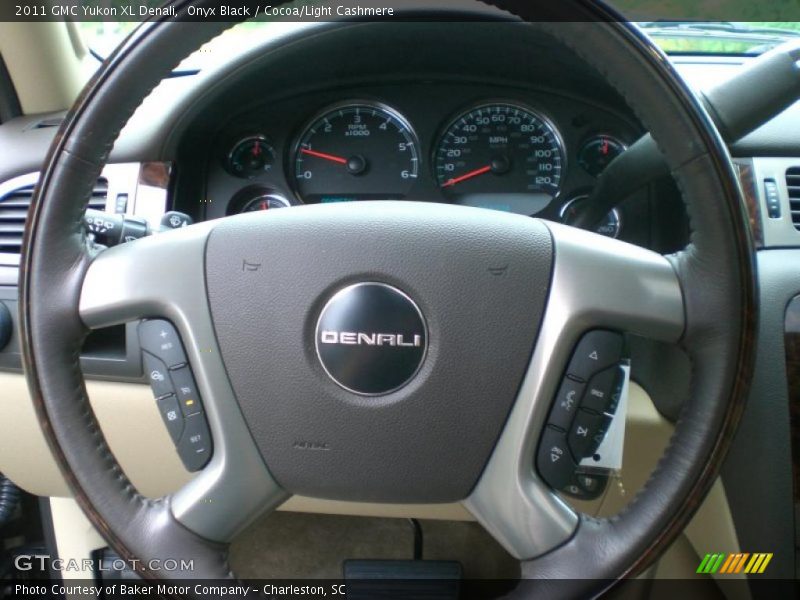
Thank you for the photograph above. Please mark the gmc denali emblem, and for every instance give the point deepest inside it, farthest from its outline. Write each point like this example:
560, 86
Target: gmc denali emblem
371, 338
354, 338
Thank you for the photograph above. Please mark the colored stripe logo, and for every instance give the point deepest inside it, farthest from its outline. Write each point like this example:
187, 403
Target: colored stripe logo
741, 562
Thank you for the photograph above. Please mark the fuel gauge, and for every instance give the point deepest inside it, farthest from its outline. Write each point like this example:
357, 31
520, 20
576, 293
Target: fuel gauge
597, 152
256, 198
251, 156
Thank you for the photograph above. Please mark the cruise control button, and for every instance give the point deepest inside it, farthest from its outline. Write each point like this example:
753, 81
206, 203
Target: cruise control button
160, 338
600, 395
186, 391
195, 445
554, 460
581, 436
566, 403
157, 375
596, 351
171, 414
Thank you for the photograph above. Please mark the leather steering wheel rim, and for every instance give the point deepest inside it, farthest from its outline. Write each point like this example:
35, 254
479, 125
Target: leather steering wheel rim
716, 273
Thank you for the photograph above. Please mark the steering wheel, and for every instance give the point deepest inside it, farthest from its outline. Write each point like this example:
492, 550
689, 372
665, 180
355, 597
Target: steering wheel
420, 345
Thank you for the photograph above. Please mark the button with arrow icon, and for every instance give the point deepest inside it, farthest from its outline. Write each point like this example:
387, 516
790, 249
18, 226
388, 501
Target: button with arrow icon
581, 436
596, 351
554, 460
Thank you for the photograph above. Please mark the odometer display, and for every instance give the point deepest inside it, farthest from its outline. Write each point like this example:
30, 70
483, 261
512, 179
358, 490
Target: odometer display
358, 151
500, 156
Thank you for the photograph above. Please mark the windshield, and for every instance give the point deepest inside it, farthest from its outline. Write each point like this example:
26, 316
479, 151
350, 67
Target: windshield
674, 37
102, 37
720, 37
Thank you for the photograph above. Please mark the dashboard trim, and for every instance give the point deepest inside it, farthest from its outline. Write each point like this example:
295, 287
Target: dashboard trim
777, 232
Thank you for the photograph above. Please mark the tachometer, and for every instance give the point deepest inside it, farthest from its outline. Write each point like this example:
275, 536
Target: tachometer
357, 151
500, 156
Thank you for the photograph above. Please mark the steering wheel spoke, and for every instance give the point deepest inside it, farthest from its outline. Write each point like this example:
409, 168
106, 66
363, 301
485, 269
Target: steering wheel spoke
597, 283
163, 276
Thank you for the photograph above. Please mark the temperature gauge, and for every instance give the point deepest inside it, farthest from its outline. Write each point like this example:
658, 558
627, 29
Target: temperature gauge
250, 157
598, 152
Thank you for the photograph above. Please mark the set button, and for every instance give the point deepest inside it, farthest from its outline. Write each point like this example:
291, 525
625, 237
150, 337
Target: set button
194, 447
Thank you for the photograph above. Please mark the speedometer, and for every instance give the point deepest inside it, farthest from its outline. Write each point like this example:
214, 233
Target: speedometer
356, 151
502, 156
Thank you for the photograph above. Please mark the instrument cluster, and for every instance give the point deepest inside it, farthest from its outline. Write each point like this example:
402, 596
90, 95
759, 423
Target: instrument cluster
528, 156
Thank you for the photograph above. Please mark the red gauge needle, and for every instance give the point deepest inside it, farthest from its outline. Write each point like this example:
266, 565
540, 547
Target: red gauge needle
330, 157
465, 176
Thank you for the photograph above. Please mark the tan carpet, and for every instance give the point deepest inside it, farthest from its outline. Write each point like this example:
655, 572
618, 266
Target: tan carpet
294, 545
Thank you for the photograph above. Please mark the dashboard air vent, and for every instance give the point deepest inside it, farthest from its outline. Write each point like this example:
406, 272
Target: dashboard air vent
46, 123
14, 210
793, 187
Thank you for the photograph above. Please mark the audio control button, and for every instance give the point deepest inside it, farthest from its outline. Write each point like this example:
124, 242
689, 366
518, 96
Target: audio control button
554, 460
566, 403
602, 391
596, 351
584, 429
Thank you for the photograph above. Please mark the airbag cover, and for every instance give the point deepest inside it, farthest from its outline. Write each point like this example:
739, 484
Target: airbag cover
480, 280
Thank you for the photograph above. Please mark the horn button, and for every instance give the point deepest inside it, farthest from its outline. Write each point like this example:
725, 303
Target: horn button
371, 338
376, 348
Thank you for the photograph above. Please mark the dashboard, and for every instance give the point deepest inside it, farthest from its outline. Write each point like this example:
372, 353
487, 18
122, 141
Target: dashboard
365, 118
510, 149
